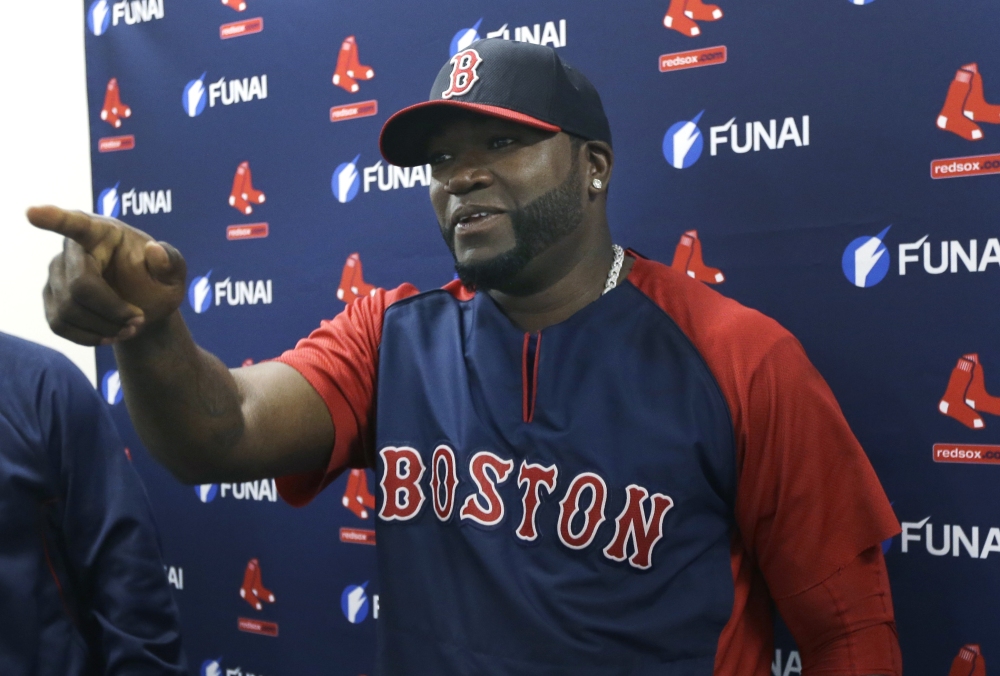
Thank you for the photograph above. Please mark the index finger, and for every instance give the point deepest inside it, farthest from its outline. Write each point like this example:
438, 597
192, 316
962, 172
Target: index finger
83, 228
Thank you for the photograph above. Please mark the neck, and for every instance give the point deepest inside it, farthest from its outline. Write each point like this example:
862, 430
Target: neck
567, 277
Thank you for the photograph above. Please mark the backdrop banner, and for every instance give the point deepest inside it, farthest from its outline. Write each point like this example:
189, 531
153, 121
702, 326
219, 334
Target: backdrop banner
834, 164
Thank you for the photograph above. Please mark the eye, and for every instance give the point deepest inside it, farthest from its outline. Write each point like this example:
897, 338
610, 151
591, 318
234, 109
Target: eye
437, 158
500, 142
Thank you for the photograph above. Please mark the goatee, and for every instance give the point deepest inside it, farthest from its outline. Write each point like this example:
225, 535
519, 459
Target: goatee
537, 226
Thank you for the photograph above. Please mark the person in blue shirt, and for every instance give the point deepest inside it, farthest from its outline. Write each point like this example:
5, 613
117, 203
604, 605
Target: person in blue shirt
82, 585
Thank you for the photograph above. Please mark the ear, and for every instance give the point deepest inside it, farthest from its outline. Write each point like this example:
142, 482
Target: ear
599, 160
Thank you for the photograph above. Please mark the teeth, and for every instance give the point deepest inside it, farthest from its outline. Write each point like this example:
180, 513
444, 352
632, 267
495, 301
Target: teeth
466, 219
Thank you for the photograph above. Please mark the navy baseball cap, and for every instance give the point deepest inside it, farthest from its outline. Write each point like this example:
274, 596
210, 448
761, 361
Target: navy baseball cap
516, 81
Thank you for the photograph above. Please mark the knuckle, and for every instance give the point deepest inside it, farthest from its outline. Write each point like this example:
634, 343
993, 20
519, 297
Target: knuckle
58, 325
55, 265
79, 290
63, 305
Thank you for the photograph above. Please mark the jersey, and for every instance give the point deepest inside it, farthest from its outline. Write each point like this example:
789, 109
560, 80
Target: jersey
620, 493
82, 586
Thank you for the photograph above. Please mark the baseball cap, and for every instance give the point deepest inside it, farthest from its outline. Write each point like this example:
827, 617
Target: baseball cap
518, 81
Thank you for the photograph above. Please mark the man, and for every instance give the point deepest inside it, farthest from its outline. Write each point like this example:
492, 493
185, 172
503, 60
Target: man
82, 586
588, 463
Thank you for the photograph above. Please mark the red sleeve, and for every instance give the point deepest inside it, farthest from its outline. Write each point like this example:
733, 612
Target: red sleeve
340, 361
807, 499
844, 626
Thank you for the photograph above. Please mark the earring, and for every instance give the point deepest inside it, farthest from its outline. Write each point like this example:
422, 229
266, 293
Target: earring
597, 183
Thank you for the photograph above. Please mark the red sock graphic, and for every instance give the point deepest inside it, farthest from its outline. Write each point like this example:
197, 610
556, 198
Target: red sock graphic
354, 67
976, 396
114, 109
236, 199
968, 662
682, 254
952, 116
238, 5
246, 591
357, 496
249, 193
975, 107
352, 283
253, 590
243, 193
675, 19
259, 590
699, 11
953, 402
696, 267
344, 76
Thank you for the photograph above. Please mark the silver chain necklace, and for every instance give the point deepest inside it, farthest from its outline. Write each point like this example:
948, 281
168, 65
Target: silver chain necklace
616, 268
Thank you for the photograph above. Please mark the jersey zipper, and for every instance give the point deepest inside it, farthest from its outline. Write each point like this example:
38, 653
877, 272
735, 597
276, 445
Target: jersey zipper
529, 374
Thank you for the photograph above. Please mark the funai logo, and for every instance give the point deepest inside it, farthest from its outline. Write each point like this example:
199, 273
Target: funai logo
206, 492
175, 577
212, 667
354, 603
111, 387
215, 668
98, 17
134, 202
101, 13
866, 260
758, 135
790, 666
683, 143
226, 92
108, 203
949, 539
249, 292
263, 490
552, 33
347, 180
200, 293
194, 98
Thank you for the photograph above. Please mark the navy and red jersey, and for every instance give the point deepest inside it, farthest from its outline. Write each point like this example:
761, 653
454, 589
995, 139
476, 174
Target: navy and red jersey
623, 492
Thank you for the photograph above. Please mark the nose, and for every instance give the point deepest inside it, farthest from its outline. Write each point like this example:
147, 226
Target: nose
468, 175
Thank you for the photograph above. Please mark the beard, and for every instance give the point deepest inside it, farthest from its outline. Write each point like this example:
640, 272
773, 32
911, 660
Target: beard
537, 226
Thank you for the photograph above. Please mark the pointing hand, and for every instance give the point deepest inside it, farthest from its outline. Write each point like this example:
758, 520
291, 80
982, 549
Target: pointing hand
110, 281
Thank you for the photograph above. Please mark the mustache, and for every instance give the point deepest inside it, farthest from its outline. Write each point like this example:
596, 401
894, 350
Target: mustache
537, 226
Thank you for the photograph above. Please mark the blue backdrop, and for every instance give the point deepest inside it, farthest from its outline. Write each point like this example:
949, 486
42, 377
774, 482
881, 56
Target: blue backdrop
837, 161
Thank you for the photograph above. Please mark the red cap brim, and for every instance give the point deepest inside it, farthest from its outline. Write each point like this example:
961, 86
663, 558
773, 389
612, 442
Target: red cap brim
403, 140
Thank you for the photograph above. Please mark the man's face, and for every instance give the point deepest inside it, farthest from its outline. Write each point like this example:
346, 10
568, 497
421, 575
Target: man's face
503, 193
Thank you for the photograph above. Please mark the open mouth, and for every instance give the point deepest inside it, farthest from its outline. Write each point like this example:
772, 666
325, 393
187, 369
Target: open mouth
475, 222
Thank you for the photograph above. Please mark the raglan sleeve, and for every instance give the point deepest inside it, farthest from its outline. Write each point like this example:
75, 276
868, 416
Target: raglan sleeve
813, 514
340, 360
808, 499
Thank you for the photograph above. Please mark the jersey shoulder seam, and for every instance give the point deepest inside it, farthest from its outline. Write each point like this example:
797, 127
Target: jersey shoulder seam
718, 388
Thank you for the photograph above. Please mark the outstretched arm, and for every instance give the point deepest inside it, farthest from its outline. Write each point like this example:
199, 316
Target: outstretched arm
114, 284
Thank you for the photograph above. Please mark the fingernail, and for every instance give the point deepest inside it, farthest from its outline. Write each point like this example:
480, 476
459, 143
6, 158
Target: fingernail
135, 322
127, 332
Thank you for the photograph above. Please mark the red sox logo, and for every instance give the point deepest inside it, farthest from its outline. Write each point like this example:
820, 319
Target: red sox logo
464, 73
581, 509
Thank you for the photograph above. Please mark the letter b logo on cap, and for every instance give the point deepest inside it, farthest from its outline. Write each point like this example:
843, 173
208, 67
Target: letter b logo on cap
463, 73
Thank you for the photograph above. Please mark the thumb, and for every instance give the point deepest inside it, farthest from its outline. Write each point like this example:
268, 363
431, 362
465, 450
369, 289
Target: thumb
165, 263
